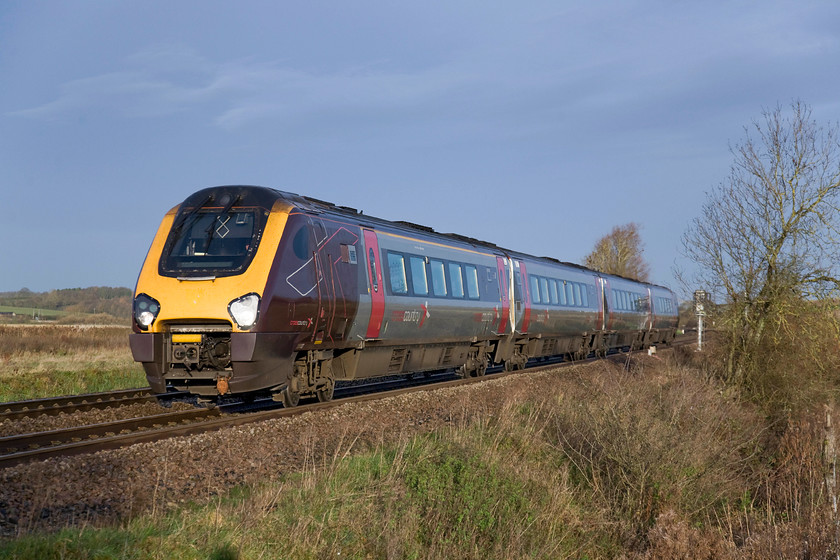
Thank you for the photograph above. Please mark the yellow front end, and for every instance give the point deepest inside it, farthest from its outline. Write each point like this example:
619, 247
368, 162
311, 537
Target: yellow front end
207, 299
194, 315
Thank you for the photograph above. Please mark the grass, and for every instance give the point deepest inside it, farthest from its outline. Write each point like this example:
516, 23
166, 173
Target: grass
607, 463
32, 312
460, 493
49, 360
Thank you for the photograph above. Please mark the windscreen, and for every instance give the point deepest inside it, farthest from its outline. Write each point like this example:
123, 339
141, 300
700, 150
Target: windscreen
208, 240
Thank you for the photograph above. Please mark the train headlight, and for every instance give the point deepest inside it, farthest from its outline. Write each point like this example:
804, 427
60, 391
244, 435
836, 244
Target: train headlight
146, 310
245, 310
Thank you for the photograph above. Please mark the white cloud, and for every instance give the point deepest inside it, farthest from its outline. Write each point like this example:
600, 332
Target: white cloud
164, 81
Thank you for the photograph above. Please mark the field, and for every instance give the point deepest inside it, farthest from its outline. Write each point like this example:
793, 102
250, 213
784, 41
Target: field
645, 458
48, 360
30, 312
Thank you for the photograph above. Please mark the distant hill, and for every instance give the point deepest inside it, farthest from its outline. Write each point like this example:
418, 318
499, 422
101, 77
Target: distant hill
115, 302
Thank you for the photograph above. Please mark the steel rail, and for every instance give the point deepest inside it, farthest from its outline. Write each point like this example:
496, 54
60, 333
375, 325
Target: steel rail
55, 405
34, 440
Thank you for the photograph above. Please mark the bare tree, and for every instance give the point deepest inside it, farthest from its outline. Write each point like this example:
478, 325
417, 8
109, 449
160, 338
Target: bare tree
620, 252
767, 239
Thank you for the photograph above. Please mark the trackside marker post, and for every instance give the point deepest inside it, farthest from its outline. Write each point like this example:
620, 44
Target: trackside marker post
700, 310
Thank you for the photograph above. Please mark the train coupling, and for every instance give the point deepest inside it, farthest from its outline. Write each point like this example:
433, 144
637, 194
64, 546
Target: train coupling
223, 385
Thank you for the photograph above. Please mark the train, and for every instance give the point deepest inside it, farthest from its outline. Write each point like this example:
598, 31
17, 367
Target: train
249, 290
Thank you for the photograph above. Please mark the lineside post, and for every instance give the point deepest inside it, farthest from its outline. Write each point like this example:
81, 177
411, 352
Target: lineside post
700, 311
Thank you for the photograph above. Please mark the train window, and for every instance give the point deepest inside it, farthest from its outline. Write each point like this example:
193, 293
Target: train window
552, 292
300, 244
544, 290
561, 291
471, 273
396, 268
372, 262
583, 295
419, 282
348, 253
456, 280
570, 296
438, 278
535, 290
578, 300
517, 286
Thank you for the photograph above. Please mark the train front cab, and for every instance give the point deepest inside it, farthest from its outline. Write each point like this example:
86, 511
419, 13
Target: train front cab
199, 296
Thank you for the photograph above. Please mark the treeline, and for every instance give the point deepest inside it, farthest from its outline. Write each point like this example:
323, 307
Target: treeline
112, 301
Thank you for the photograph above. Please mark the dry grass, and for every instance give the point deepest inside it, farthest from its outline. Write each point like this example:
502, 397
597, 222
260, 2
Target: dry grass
47, 360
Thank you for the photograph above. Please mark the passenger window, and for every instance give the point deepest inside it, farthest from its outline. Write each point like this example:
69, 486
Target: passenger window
570, 297
456, 280
517, 286
471, 273
438, 279
372, 262
578, 301
544, 290
535, 290
396, 266
583, 292
419, 282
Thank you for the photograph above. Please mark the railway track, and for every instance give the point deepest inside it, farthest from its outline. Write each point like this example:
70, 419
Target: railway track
22, 448
77, 403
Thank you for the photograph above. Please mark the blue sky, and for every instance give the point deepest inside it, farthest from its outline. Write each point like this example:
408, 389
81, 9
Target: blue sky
534, 125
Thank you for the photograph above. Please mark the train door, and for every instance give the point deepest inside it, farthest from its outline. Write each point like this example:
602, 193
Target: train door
522, 299
607, 318
650, 316
323, 282
375, 285
604, 321
502, 265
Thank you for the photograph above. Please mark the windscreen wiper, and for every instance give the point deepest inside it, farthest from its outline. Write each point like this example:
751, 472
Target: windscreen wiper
182, 221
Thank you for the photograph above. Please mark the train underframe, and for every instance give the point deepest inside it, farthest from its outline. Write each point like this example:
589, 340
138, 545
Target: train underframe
209, 360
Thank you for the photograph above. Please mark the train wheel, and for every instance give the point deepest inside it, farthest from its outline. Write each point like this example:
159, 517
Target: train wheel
290, 398
326, 392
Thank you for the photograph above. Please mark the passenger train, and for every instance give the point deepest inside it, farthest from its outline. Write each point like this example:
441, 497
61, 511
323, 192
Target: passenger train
250, 289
